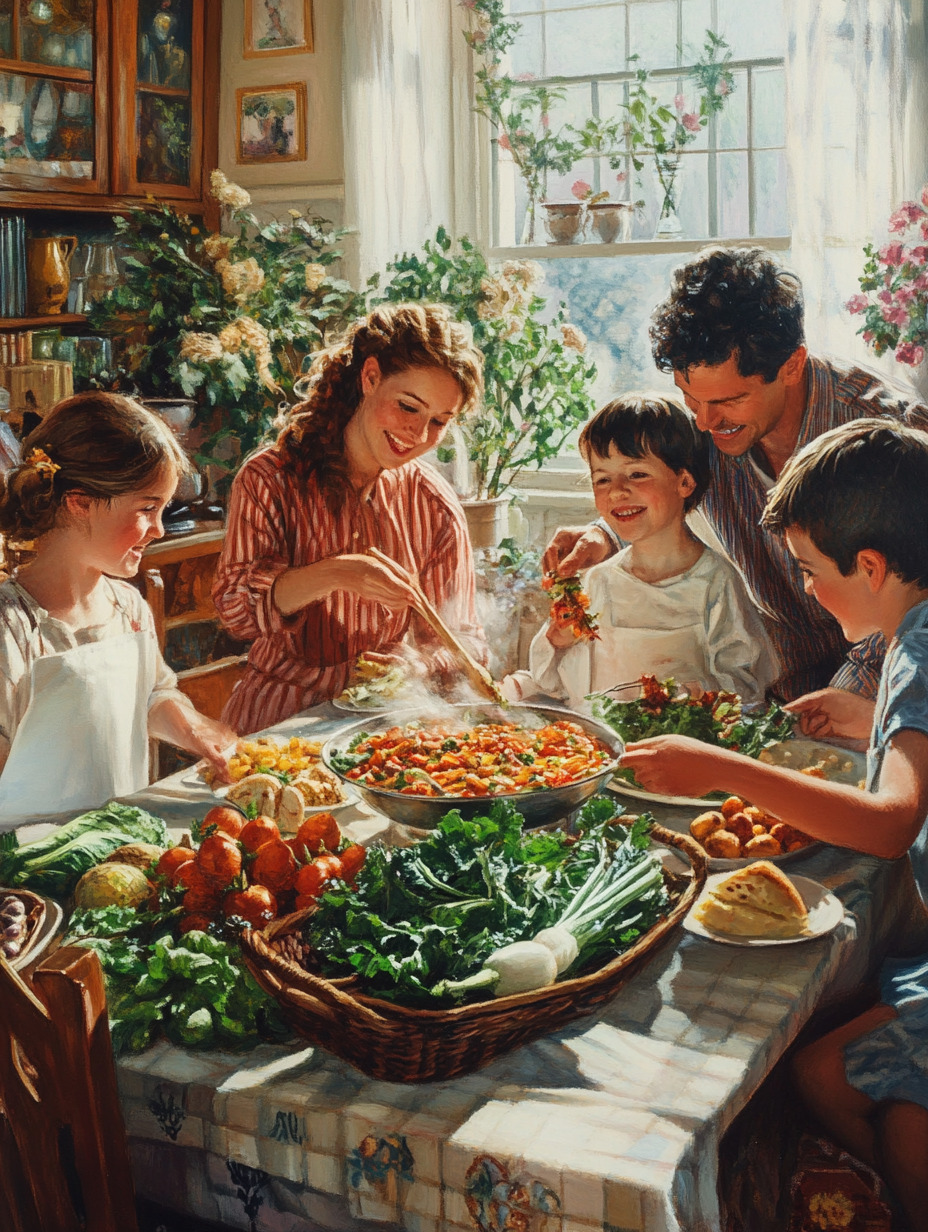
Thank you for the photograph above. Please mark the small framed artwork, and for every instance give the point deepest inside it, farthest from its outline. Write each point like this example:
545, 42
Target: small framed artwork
271, 123
278, 27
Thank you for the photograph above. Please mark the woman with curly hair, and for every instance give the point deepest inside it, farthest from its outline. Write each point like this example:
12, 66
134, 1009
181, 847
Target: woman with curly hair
343, 477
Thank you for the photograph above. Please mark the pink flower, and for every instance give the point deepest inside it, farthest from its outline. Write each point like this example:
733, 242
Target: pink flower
525, 77
691, 122
867, 335
857, 303
723, 88
908, 213
468, 4
581, 189
621, 177
924, 196
892, 254
921, 282
545, 121
504, 142
919, 254
679, 102
905, 295
924, 228
909, 353
895, 314
885, 297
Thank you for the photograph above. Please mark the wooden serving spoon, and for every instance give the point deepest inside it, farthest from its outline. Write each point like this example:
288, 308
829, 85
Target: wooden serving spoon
476, 673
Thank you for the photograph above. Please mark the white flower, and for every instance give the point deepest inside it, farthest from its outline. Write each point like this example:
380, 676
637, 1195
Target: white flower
500, 298
528, 273
241, 279
228, 193
573, 338
200, 348
247, 334
315, 275
217, 247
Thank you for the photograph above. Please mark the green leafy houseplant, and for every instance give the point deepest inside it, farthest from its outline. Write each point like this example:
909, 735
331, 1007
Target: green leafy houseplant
536, 377
228, 319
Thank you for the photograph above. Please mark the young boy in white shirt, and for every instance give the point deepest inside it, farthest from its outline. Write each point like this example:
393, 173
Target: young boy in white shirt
666, 604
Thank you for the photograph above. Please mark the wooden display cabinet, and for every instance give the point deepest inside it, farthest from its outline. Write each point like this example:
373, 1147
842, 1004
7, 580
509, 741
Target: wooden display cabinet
103, 102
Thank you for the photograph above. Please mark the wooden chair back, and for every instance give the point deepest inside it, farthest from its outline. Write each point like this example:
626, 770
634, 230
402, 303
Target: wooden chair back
65, 1160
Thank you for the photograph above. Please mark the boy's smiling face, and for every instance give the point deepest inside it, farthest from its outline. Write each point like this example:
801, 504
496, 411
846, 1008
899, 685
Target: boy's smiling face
851, 599
638, 497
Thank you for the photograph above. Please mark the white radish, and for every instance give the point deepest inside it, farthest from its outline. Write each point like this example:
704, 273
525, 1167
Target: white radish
521, 966
562, 944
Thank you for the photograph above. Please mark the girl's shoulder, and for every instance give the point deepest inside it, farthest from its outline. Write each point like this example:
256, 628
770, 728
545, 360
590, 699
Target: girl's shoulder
131, 603
18, 609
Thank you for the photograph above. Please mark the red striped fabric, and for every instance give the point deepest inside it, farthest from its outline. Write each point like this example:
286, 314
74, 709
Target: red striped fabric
279, 520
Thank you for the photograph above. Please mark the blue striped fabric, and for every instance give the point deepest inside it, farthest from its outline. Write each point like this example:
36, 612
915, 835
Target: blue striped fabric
808, 641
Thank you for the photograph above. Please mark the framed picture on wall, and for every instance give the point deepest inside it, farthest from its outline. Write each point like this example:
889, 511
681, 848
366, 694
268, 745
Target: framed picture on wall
271, 122
278, 27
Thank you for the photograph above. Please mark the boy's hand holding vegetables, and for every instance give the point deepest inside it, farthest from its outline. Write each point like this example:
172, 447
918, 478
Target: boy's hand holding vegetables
829, 713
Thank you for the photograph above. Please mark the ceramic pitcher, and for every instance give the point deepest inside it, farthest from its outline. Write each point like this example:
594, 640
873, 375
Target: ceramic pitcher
48, 266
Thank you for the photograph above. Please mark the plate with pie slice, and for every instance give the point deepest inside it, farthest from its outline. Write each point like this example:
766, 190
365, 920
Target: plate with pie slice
761, 906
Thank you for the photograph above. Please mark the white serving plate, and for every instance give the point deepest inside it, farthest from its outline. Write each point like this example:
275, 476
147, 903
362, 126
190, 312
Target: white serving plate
794, 754
825, 913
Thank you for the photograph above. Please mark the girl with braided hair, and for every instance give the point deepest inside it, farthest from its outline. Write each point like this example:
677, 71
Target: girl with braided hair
344, 476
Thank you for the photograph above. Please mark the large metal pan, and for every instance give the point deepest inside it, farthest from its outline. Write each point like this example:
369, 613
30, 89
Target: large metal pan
537, 807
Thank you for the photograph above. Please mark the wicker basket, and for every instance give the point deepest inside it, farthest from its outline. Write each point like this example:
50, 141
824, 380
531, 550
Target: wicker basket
396, 1044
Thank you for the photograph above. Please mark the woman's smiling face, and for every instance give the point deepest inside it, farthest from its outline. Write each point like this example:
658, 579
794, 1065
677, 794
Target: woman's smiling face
638, 497
400, 417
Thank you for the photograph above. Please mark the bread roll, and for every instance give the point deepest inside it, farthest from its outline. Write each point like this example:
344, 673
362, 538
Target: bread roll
734, 804
723, 845
763, 845
705, 824
741, 825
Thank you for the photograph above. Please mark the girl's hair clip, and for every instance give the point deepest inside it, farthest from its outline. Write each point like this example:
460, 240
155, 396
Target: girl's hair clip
40, 461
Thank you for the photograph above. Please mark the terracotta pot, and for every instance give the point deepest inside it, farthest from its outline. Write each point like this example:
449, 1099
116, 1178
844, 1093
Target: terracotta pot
564, 221
48, 273
487, 521
611, 221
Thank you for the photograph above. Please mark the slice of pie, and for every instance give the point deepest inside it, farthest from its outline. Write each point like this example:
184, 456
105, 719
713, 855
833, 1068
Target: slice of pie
757, 901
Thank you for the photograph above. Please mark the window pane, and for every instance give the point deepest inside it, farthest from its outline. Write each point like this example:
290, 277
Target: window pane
525, 54
733, 194
732, 120
6, 27
586, 41
57, 33
769, 107
526, 6
46, 127
770, 193
652, 32
575, 107
753, 31
164, 43
582, 4
697, 19
692, 196
164, 140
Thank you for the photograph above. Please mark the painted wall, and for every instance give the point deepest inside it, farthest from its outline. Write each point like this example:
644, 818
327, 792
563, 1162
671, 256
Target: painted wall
320, 179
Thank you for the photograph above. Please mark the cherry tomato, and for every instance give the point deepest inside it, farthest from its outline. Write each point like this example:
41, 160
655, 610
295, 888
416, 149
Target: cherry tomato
185, 874
172, 860
352, 859
219, 859
320, 831
275, 866
301, 852
256, 905
258, 832
303, 901
225, 818
195, 923
202, 897
312, 878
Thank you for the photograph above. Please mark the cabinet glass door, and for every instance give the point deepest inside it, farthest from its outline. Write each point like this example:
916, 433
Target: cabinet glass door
164, 98
52, 71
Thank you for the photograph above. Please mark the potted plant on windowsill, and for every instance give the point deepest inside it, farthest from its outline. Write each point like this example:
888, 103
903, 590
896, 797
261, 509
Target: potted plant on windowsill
536, 378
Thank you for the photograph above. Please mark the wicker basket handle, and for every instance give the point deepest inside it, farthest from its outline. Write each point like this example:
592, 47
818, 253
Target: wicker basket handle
325, 997
683, 842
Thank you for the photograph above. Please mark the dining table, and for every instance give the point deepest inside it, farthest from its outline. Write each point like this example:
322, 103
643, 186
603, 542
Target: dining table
613, 1124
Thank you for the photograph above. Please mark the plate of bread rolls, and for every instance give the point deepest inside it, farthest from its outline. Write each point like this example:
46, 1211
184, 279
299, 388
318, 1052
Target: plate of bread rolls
736, 833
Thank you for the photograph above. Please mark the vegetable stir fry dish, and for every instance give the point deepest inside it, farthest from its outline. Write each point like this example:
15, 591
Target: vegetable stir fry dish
482, 909
488, 759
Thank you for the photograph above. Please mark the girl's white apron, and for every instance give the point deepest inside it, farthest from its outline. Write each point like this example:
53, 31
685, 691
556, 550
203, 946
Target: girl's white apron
84, 736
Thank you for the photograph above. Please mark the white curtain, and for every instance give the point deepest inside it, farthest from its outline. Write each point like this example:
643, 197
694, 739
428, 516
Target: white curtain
406, 79
856, 147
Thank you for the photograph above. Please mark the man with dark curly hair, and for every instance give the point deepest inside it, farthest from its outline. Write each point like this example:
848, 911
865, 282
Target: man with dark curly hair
731, 335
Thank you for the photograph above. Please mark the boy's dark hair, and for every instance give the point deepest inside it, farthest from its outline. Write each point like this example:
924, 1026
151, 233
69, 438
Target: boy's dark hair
637, 424
729, 301
861, 486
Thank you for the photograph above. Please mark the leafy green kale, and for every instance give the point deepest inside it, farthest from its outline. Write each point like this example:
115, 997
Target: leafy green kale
434, 911
194, 990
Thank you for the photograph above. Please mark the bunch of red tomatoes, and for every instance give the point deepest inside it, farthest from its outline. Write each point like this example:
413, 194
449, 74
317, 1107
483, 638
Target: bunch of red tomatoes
248, 869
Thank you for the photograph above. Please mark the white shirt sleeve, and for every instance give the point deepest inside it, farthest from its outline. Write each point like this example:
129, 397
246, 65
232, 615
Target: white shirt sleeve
739, 652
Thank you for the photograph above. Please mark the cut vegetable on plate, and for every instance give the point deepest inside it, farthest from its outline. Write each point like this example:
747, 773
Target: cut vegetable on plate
374, 686
761, 906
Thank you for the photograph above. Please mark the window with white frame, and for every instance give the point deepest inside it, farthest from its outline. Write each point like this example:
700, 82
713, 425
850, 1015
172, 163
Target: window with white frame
732, 182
